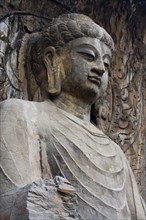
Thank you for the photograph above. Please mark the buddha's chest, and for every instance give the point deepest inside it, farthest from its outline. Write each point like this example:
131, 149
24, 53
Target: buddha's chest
90, 161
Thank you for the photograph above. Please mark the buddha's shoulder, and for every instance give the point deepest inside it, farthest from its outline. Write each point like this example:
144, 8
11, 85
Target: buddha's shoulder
21, 108
117, 148
107, 142
21, 104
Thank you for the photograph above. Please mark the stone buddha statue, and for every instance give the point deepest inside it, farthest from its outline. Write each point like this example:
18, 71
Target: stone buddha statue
70, 61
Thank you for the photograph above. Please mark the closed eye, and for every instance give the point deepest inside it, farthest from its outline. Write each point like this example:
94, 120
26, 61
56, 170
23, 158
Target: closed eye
107, 67
87, 56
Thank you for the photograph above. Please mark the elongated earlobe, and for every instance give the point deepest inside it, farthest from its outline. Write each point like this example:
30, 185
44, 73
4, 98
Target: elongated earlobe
53, 67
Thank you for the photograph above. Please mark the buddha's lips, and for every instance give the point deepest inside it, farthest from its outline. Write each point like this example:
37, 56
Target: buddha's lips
95, 79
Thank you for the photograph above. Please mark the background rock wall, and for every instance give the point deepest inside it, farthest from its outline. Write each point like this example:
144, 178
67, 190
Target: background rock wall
121, 113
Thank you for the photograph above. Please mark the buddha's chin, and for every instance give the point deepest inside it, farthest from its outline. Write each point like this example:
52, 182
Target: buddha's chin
92, 94
95, 91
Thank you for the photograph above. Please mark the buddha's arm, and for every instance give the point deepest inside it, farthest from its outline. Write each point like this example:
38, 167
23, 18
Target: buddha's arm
11, 139
17, 152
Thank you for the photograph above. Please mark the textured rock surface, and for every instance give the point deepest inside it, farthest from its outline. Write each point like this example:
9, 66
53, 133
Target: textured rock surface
122, 111
40, 200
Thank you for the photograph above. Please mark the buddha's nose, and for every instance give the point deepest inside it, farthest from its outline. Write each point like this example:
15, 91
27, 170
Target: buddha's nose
99, 69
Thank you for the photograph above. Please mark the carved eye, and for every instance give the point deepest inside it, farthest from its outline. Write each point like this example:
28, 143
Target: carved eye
106, 66
88, 56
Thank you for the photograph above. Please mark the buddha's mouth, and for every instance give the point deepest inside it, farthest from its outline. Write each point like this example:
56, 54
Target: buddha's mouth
95, 79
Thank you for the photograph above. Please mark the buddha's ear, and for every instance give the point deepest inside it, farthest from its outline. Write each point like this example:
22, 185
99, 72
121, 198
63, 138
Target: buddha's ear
52, 64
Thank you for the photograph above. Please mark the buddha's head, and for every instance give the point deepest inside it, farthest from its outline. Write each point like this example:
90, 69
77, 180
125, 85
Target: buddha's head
72, 55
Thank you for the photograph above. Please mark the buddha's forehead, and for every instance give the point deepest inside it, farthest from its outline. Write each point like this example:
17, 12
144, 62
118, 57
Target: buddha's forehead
92, 43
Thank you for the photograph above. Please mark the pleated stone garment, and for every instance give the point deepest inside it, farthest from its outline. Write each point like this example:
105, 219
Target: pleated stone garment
91, 162
40, 140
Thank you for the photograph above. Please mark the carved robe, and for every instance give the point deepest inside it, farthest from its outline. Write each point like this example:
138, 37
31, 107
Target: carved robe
41, 140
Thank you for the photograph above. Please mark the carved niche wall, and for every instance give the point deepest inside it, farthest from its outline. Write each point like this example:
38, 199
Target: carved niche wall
121, 113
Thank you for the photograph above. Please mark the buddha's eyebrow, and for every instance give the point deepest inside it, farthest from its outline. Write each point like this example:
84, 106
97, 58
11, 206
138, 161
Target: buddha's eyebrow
88, 46
108, 56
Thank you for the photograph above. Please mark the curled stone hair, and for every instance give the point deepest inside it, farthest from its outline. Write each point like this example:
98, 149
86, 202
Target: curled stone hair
62, 30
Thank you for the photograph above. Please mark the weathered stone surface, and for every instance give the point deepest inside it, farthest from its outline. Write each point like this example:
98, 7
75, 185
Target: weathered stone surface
8, 194
121, 113
101, 177
40, 200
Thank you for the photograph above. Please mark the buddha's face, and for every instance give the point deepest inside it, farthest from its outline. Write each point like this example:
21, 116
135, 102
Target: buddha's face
86, 64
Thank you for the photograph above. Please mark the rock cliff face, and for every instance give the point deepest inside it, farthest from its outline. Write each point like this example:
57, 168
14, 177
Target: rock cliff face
121, 113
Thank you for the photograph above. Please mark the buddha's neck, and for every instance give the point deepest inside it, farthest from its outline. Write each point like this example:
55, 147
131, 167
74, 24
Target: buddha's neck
73, 105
